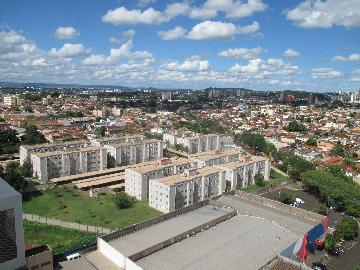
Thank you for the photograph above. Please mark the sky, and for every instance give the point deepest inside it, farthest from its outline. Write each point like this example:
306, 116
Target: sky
313, 45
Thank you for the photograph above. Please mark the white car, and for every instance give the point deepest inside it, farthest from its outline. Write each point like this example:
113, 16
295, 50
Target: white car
73, 256
298, 200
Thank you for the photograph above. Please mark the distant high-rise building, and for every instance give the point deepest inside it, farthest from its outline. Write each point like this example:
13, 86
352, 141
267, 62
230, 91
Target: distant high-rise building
166, 96
12, 101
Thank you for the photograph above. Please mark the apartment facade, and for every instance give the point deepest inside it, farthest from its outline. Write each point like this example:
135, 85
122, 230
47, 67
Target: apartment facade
135, 152
194, 185
50, 165
194, 143
240, 174
12, 101
27, 150
137, 179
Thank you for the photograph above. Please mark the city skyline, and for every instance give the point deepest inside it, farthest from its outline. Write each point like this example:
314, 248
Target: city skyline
255, 44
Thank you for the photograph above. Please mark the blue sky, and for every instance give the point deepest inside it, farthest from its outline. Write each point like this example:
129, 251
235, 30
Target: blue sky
259, 44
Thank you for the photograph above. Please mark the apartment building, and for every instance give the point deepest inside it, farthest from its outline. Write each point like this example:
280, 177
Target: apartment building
12, 255
137, 179
135, 151
27, 150
240, 174
12, 101
215, 157
48, 165
116, 140
194, 185
194, 143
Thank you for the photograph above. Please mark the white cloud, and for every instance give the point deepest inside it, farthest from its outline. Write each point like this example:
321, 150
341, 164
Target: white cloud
172, 34
122, 15
193, 63
219, 30
325, 14
355, 79
69, 50
356, 72
351, 57
244, 53
274, 82
94, 59
40, 62
66, 33
143, 3
325, 73
291, 53
231, 8
125, 36
176, 9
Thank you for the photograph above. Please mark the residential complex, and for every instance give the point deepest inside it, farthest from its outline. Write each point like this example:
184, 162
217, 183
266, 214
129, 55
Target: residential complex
215, 157
12, 101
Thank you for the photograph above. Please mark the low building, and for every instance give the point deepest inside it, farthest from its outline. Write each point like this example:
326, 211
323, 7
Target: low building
137, 179
12, 255
194, 185
135, 152
215, 157
240, 174
50, 165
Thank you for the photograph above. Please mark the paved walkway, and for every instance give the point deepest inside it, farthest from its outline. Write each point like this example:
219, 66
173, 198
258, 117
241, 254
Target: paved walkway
68, 225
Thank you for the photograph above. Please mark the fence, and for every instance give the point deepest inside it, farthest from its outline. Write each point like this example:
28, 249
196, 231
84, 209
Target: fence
70, 225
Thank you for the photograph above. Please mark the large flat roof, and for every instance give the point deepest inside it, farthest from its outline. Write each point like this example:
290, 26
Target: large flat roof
154, 165
205, 156
241, 242
237, 164
124, 144
150, 236
35, 146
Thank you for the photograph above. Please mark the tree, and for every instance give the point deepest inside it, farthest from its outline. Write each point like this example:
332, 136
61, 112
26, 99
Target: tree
330, 241
252, 140
32, 135
123, 200
101, 131
311, 142
26, 169
9, 142
259, 180
338, 150
13, 177
337, 171
286, 197
294, 126
347, 228
111, 163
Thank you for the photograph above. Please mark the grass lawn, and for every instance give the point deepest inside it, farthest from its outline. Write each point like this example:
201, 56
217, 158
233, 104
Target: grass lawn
276, 177
58, 238
72, 205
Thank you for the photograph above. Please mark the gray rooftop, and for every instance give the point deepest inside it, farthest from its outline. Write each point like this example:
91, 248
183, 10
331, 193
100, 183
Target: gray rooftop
233, 244
6, 190
141, 240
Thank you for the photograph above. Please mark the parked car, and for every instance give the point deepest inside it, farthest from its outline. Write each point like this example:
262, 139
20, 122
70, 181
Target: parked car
73, 256
298, 200
340, 249
318, 266
334, 252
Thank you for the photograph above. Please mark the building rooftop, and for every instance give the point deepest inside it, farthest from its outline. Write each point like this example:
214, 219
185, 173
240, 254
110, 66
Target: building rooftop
6, 190
107, 139
156, 165
236, 164
179, 178
44, 145
205, 156
67, 151
117, 145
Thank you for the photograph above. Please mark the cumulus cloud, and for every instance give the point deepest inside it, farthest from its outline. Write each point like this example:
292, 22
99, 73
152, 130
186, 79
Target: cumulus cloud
244, 53
248, 29
69, 50
325, 73
274, 82
94, 59
325, 14
231, 8
125, 36
122, 15
194, 63
291, 53
172, 34
66, 33
351, 57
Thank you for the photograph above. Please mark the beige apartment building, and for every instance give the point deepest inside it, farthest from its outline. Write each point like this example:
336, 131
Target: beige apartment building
116, 140
215, 157
137, 179
240, 174
194, 185
194, 143
48, 165
12, 101
27, 150
135, 152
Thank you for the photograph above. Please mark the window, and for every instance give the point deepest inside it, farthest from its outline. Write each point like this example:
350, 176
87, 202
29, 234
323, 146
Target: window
8, 250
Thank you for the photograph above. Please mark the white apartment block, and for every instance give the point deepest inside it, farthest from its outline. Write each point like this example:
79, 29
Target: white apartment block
137, 179
194, 143
240, 174
116, 140
136, 152
215, 157
12, 255
12, 101
194, 185
48, 165
27, 150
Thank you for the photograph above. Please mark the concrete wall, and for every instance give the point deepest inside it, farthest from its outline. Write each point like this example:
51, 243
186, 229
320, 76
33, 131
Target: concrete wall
280, 206
111, 253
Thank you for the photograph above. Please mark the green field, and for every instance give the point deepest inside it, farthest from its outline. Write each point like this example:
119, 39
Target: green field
275, 178
58, 238
75, 206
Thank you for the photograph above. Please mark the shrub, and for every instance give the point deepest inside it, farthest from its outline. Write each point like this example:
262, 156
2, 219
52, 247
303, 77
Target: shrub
286, 197
259, 180
123, 201
347, 228
330, 241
